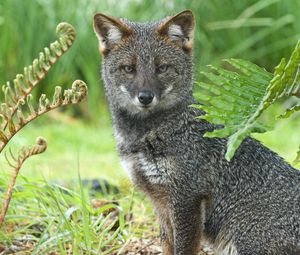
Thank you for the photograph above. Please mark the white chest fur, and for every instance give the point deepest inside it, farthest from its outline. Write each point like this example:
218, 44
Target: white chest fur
138, 165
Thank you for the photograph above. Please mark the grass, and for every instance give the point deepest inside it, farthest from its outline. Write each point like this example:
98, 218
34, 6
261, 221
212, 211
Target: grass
50, 218
46, 218
284, 139
69, 143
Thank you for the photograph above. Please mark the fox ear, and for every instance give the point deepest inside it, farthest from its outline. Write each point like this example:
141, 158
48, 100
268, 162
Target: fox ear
179, 29
110, 31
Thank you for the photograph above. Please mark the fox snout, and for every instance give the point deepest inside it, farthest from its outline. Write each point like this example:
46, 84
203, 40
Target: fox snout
145, 97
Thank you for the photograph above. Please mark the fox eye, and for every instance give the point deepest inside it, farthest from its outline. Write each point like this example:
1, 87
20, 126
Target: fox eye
128, 68
162, 68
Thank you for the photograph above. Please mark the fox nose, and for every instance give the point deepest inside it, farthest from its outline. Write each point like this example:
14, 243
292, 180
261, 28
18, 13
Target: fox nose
145, 97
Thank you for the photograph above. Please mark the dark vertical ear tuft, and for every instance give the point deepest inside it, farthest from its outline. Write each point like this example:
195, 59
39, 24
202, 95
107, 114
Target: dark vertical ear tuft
179, 29
110, 31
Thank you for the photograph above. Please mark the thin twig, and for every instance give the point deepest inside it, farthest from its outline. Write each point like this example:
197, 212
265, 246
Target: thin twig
145, 246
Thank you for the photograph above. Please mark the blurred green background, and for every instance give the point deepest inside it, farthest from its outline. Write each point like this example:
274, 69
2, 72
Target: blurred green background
261, 31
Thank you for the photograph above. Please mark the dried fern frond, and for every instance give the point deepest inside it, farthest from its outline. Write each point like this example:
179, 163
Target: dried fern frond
17, 110
24, 153
236, 100
16, 95
76, 94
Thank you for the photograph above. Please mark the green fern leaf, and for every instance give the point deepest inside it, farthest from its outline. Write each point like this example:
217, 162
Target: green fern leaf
289, 112
236, 99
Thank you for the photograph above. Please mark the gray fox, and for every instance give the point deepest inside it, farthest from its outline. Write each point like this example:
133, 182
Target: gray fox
250, 205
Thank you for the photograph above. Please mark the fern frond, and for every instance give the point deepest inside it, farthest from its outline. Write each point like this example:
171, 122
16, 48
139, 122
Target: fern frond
74, 95
232, 99
286, 80
17, 110
288, 112
24, 153
16, 95
236, 99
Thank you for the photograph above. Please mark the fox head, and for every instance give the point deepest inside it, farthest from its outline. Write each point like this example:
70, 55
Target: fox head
147, 67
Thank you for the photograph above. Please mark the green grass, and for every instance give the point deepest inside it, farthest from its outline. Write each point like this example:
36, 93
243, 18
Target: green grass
68, 144
284, 139
45, 218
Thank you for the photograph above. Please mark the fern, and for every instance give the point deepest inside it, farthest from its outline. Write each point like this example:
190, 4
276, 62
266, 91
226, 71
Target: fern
16, 96
236, 99
24, 153
17, 109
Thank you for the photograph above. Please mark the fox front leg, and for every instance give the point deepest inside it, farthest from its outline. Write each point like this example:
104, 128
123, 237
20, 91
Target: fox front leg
187, 224
166, 230
166, 238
